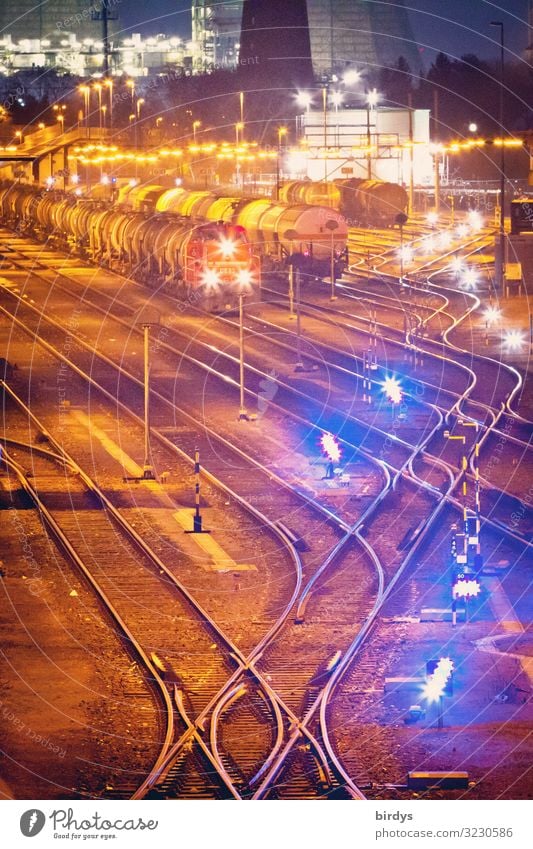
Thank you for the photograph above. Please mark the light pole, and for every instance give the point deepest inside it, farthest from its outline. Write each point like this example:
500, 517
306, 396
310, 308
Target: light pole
98, 90
85, 92
325, 116
281, 132
241, 105
131, 85
371, 102
140, 104
243, 415
104, 112
400, 220
148, 318
109, 85
332, 225
195, 125
290, 236
238, 126
299, 364
244, 280
501, 264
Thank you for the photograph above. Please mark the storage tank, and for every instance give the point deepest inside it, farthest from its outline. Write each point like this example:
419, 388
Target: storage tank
372, 201
222, 209
143, 198
169, 200
309, 224
249, 215
315, 194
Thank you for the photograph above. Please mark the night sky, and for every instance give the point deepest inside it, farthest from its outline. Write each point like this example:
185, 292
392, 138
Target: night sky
453, 26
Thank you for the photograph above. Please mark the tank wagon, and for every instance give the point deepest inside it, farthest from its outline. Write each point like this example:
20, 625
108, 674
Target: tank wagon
370, 203
201, 246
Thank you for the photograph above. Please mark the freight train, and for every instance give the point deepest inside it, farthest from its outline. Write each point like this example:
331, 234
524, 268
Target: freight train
201, 246
366, 203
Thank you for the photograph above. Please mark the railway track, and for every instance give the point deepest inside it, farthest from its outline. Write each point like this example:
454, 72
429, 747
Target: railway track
292, 683
361, 600
397, 445
300, 732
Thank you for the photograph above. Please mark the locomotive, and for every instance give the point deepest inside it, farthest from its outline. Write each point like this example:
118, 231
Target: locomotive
369, 203
203, 247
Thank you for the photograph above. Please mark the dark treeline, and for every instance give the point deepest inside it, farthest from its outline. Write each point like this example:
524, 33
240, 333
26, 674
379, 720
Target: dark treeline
459, 92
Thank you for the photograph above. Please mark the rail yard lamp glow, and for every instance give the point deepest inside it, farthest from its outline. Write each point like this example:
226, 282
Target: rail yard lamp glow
332, 450
492, 316
305, 100
469, 278
439, 683
393, 391
351, 77
513, 341
475, 221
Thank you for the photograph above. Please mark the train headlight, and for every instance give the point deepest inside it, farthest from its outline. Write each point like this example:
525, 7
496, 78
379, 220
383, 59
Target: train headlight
244, 278
210, 278
227, 247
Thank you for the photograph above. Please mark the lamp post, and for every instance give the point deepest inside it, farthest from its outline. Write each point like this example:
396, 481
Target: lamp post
147, 317
400, 220
147, 467
140, 104
85, 92
282, 131
131, 85
371, 101
501, 264
332, 225
109, 85
195, 125
104, 113
290, 236
241, 106
98, 90
299, 364
325, 116
244, 279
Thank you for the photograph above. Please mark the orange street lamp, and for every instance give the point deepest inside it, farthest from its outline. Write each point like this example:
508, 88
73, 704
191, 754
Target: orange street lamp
109, 84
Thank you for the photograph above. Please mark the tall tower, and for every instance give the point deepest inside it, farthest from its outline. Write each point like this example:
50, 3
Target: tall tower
340, 33
216, 29
275, 40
